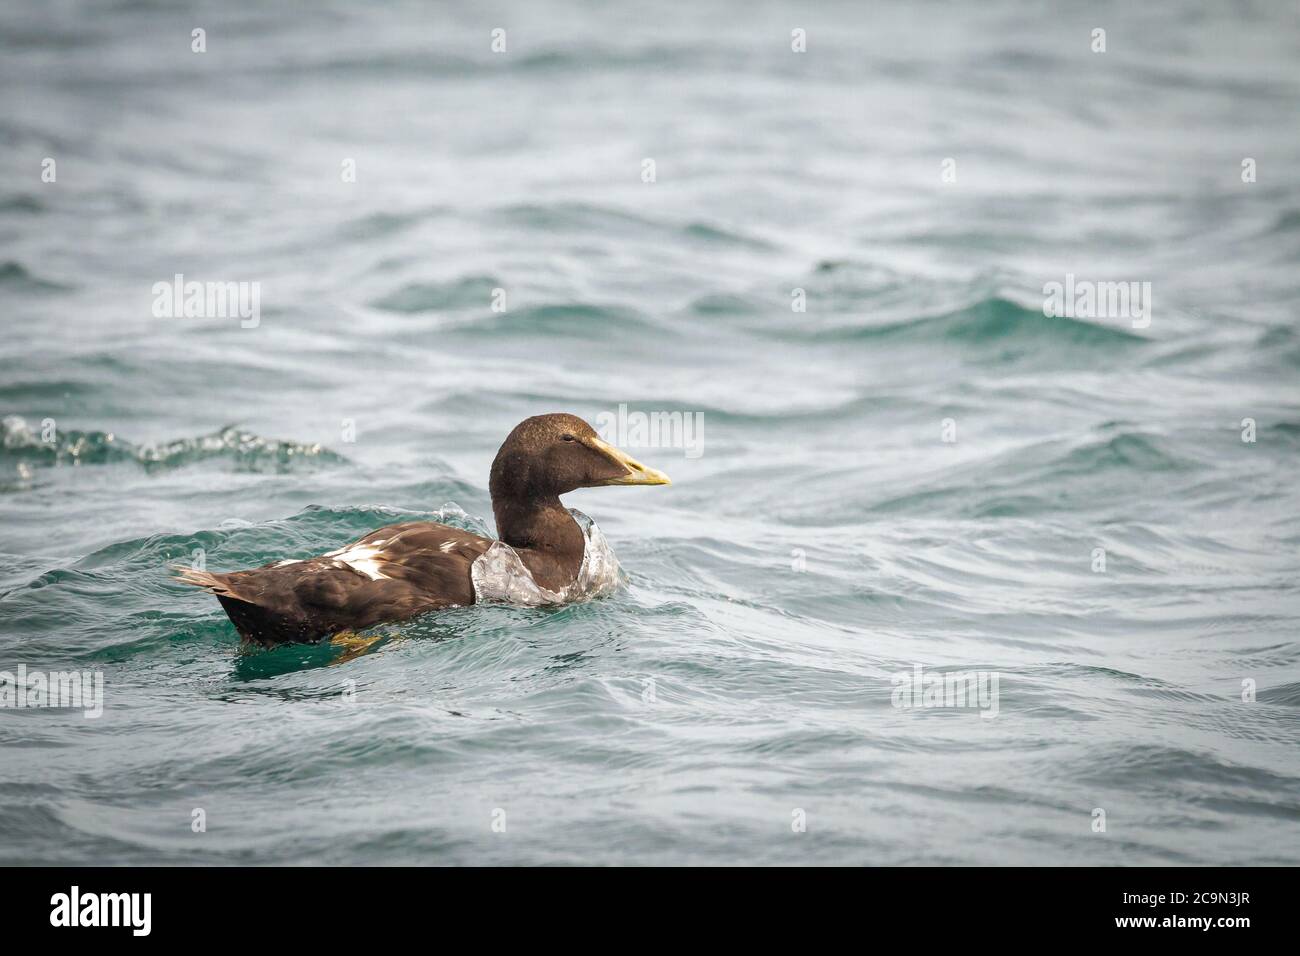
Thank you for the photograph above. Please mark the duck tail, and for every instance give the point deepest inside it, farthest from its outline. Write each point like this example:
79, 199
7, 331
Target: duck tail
253, 622
214, 583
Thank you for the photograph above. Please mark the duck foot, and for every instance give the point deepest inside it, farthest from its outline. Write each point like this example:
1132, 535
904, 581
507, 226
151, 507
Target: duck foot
354, 645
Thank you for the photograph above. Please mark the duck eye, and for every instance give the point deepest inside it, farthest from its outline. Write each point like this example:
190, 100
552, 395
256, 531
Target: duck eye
567, 438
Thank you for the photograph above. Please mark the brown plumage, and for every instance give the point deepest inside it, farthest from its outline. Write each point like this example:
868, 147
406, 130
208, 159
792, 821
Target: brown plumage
406, 569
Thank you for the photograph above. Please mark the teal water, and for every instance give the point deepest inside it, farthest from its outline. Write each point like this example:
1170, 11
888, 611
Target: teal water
826, 540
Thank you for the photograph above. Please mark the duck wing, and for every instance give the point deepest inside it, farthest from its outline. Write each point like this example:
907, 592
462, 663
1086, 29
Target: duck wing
391, 574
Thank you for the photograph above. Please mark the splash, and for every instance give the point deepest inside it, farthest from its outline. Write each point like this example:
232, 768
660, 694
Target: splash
69, 446
500, 576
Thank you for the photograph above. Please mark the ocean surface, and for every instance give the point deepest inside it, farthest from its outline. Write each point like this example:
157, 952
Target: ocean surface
918, 469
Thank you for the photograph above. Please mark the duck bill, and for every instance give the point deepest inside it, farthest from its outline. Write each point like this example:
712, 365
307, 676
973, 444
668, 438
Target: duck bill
637, 473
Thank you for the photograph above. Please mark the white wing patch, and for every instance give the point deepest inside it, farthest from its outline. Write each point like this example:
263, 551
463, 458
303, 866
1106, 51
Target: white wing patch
363, 558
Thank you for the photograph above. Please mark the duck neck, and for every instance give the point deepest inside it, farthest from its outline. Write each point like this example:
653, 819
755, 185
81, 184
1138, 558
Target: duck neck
550, 541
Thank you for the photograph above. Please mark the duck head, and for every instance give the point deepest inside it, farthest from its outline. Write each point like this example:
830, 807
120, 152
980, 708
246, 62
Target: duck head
550, 455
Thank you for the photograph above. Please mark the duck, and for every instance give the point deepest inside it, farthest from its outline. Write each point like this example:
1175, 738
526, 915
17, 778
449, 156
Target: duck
403, 570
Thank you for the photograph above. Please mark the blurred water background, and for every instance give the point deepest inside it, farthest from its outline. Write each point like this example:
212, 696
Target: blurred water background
826, 539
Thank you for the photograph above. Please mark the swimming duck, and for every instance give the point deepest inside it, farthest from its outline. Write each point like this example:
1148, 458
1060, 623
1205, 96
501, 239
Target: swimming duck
406, 569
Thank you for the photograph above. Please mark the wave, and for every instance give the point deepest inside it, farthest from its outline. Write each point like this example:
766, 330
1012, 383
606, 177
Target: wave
995, 320
729, 303
416, 63
16, 276
588, 321
588, 219
576, 320
1287, 221
1125, 451
463, 293
21, 202
1046, 477
1282, 343
379, 224
1286, 695
49, 445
